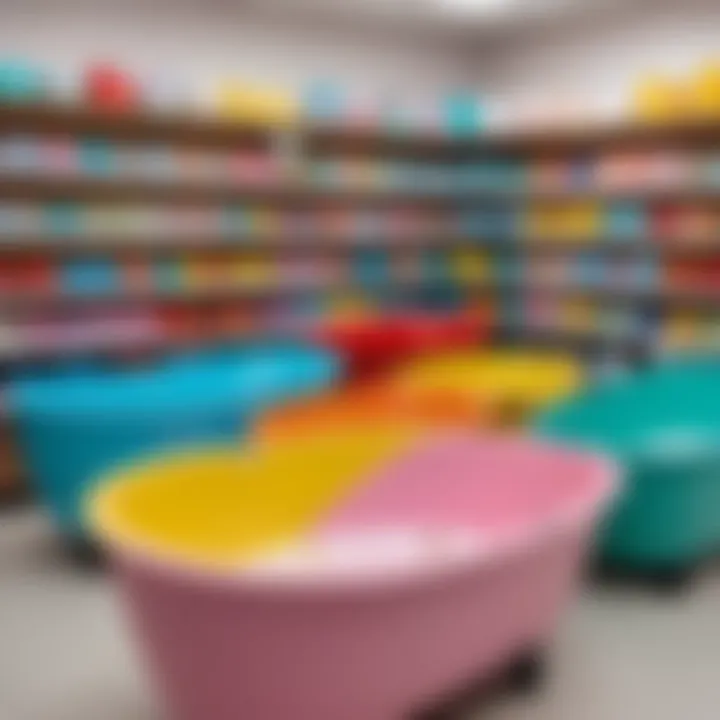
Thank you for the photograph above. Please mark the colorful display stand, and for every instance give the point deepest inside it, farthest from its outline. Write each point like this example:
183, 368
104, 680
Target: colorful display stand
358, 579
664, 428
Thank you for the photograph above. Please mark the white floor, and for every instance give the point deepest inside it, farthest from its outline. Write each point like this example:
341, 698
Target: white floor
622, 655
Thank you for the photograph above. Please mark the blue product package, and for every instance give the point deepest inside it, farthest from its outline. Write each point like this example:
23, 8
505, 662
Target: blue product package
89, 277
500, 223
462, 114
21, 81
62, 219
512, 176
626, 221
474, 223
371, 267
481, 176
97, 156
324, 101
591, 271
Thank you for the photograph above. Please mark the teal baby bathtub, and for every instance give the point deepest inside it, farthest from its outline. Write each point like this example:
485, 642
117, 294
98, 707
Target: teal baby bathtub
663, 426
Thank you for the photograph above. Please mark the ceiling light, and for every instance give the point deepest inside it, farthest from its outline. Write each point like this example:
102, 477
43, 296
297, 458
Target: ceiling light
479, 7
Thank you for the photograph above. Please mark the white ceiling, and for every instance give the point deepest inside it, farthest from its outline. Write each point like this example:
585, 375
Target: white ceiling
455, 16
464, 24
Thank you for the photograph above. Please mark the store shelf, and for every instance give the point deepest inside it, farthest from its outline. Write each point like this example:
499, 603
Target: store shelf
589, 194
593, 338
20, 353
659, 295
390, 242
612, 293
160, 340
113, 189
590, 343
188, 126
709, 299
587, 136
157, 244
667, 247
211, 294
325, 139
601, 135
185, 128
27, 352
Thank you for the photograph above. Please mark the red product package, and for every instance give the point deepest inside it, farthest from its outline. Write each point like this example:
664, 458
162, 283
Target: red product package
713, 276
28, 274
107, 87
231, 320
181, 323
667, 221
691, 275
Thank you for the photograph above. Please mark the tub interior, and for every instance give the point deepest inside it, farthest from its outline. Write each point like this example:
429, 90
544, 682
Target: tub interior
229, 508
373, 405
223, 506
494, 485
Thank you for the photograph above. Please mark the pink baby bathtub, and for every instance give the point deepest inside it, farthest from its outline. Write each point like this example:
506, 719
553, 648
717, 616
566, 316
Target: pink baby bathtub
438, 562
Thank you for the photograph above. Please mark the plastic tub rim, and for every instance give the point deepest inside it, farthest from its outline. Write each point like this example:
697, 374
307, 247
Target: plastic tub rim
606, 476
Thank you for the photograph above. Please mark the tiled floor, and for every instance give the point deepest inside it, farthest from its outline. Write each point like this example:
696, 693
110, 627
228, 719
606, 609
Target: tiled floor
622, 654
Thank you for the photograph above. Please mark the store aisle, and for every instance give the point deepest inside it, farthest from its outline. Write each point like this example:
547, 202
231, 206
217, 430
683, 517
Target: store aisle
622, 654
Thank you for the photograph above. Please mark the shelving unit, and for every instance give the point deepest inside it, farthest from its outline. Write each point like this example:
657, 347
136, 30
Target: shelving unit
504, 283
291, 189
299, 143
654, 300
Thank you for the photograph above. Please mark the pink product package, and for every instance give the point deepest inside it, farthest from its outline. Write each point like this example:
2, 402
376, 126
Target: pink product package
254, 169
383, 645
94, 329
40, 335
115, 330
60, 156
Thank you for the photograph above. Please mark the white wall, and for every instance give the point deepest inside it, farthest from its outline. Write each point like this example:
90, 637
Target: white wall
600, 58
205, 38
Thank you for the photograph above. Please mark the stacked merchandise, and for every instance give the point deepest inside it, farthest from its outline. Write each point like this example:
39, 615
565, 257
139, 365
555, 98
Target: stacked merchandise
109, 88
